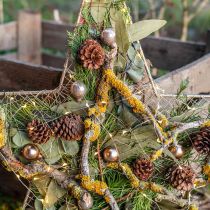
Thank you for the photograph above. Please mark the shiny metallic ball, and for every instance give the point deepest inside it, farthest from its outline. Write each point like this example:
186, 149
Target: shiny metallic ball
108, 36
110, 154
177, 151
31, 152
78, 90
86, 201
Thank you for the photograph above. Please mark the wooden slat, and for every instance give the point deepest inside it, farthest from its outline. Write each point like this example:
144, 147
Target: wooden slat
12, 56
197, 73
8, 36
170, 54
54, 61
29, 37
54, 35
16, 76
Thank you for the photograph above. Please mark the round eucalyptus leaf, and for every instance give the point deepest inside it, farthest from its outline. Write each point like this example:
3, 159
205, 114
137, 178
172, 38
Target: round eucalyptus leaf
21, 139
70, 147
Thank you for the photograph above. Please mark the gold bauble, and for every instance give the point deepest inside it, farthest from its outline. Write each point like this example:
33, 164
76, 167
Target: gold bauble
110, 154
78, 90
177, 151
108, 37
31, 152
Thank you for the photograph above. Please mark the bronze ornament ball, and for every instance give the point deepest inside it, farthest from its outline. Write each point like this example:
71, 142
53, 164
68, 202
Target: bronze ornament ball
110, 154
177, 151
31, 152
108, 37
78, 90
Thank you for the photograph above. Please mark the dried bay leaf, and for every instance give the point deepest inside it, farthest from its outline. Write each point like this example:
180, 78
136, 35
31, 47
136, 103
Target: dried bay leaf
132, 144
98, 11
72, 106
122, 38
41, 182
142, 29
54, 193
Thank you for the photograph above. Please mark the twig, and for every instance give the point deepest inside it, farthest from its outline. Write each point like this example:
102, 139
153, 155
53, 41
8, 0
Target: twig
1, 12
186, 126
172, 199
125, 197
25, 203
187, 17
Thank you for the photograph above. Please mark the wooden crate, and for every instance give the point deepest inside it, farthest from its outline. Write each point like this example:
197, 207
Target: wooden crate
31, 62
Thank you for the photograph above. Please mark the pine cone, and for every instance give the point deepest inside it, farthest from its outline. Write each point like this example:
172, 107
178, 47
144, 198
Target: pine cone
143, 168
182, 178
68, 127
92, 54
201, 140
38, 132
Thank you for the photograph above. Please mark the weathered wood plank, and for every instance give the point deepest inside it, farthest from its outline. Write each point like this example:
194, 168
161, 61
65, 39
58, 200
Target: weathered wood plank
12, 56
29, 37
208, 41
54, 35
197, 73
171, 54
51, 60
16, 76
8, 36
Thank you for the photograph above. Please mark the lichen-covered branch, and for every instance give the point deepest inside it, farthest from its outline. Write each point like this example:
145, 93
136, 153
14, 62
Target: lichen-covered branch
37, 168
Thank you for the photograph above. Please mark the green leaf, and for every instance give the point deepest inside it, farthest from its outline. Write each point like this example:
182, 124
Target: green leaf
118, 23
38, 204
70, 147
41, 182
98, 12
72, 106
21, 139
142, 29
135, 75
51, 151
54, 193
127, 116
13, 132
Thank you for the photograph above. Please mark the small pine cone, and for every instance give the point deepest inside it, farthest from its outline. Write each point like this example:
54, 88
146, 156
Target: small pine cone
201, 140
38, 132
143, 168
182, 178
68, 127
92, 54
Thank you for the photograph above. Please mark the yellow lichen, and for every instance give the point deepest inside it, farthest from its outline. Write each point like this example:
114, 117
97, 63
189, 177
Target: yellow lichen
136, 104
156, 155
206, 171
206, 124
193, 207
94, 186
125, 168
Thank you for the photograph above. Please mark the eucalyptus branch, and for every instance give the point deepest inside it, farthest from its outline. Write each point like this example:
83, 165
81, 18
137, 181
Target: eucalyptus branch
40, 168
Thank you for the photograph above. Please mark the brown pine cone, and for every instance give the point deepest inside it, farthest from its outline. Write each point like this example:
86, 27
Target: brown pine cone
68, 127
182, 178
201, 140
92, 54
38, 132
143, 168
